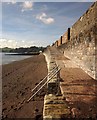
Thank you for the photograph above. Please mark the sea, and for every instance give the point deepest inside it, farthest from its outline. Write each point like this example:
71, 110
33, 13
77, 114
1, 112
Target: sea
5, 58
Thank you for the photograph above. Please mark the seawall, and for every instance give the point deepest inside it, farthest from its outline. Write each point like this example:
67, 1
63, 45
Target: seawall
78, 55
79, 42
71, 93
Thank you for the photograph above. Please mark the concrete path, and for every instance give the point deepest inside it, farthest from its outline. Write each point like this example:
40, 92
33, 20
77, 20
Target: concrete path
78, 89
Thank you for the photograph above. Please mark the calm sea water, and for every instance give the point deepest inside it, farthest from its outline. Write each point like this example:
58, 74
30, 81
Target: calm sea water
5, 59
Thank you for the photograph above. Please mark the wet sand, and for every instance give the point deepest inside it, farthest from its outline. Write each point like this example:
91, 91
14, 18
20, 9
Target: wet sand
18, 79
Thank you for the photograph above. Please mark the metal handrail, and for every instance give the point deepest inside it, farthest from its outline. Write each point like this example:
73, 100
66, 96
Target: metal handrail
43, 85
45, 78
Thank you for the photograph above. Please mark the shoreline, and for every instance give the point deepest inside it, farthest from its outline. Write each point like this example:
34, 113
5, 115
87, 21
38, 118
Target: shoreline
34, 53
7, 58
18, 78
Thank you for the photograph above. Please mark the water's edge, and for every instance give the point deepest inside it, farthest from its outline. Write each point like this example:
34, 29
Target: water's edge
6, 58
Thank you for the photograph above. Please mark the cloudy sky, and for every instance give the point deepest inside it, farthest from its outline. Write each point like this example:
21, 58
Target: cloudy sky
37, 23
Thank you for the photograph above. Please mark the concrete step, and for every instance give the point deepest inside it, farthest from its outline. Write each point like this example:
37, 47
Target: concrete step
55, 107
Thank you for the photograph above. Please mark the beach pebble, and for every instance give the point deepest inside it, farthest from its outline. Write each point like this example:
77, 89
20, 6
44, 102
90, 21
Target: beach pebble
36, 83
26, 88
4, 109
5, 86
64, 98
36, 110
75, 112
19, 107
68, 99
15, 108
38, 117
11, 106
22, 93
5, 116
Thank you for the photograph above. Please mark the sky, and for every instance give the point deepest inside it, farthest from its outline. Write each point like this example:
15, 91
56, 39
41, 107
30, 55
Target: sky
31, 23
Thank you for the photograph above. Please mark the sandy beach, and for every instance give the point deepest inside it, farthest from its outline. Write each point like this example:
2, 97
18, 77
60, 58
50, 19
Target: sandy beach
18, 79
